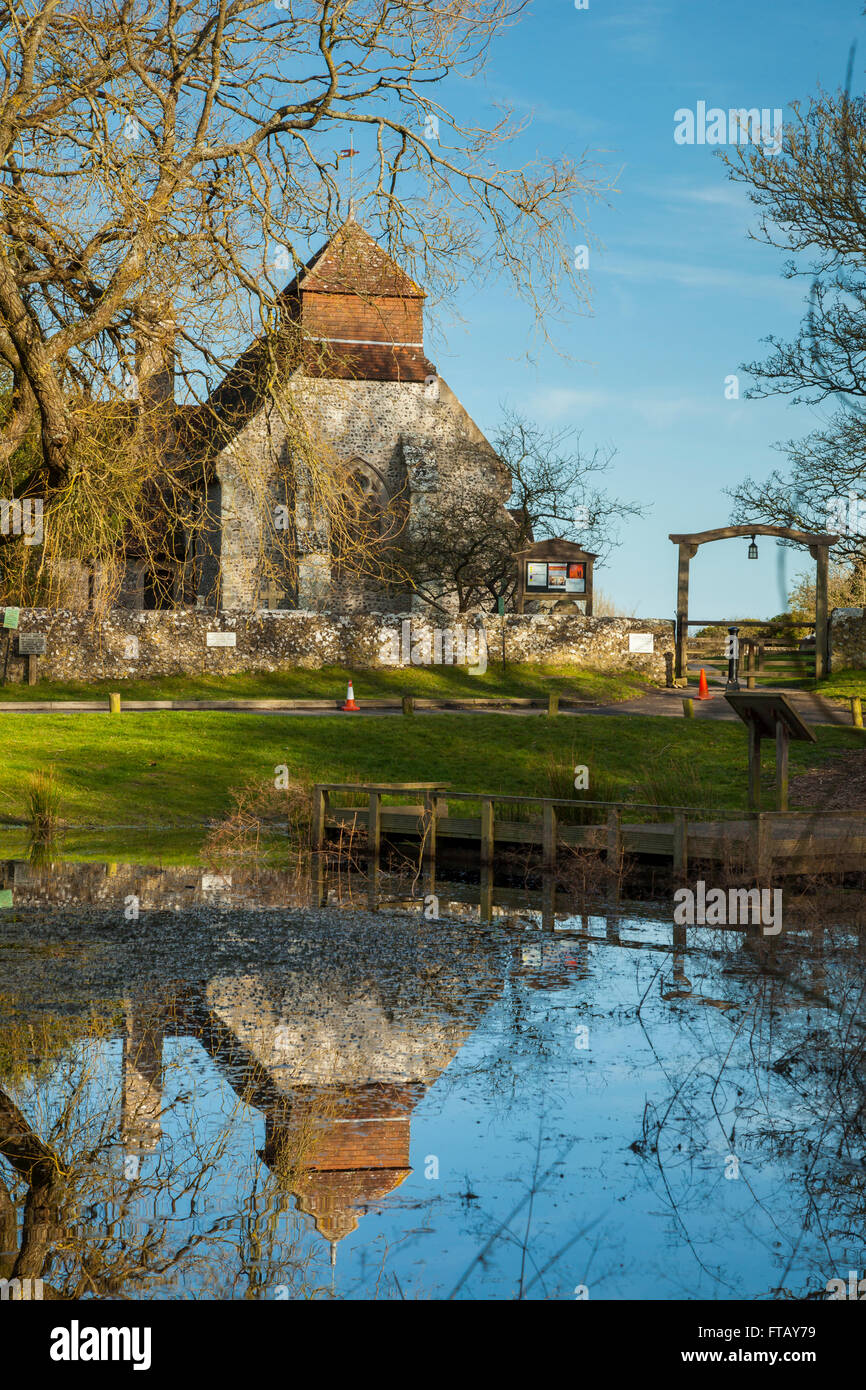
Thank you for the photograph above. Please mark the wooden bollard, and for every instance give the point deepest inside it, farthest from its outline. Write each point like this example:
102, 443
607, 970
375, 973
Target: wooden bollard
857, 711
688, 709
553, 704
408, 704
114, 702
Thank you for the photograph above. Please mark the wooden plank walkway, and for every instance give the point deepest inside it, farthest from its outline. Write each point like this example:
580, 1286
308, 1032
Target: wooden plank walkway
768, 843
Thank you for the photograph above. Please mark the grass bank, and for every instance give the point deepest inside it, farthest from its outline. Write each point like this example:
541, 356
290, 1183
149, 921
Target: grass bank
174, 768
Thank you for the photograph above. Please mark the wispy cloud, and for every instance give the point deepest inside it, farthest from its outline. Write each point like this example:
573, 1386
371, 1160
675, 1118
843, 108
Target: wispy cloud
565, 117
696, 277
638, 30
657, 409
726, 195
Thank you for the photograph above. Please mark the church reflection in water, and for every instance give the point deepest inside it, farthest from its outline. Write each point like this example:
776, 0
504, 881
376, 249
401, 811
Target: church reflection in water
335, 1056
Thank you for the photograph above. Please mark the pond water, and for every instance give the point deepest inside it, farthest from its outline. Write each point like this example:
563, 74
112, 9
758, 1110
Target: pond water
289, 1090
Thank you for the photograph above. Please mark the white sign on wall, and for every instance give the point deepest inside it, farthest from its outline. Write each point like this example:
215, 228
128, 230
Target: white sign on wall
222, 639
130, 649
641, 642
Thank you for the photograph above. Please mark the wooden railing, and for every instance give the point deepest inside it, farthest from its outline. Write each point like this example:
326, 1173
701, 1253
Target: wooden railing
790, 841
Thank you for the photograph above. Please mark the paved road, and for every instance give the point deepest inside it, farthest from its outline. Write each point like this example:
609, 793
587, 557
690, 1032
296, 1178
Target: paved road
813, 709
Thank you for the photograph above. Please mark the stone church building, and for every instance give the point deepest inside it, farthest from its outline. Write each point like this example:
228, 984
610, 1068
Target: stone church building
374, 414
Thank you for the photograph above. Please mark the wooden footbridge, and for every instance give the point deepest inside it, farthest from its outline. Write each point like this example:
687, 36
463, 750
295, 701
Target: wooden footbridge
768, 843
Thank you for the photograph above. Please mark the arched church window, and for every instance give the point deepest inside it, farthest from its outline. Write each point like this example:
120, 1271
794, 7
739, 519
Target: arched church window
364, 498
359, 525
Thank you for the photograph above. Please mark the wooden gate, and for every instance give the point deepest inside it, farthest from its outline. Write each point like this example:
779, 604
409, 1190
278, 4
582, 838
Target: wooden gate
768, 660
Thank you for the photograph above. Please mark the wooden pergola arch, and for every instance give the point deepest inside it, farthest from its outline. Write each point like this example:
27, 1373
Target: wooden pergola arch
819, 548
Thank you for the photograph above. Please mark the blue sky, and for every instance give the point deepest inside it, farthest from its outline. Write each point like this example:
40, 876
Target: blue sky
681, 296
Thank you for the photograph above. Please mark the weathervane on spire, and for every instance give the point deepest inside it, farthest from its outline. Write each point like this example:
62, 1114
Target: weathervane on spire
350, 155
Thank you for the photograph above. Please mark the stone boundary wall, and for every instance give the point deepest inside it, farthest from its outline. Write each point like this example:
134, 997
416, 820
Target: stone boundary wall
847, 639
126, 643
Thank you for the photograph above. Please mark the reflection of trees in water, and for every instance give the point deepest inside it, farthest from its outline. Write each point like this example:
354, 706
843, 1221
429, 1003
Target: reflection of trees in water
98, 1219
767, 1069
778, 1081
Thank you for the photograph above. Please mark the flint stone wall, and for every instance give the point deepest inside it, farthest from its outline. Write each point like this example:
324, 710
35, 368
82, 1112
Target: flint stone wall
847, 639
81, 646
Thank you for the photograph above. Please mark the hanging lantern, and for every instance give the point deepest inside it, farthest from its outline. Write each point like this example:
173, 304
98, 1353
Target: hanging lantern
753, 550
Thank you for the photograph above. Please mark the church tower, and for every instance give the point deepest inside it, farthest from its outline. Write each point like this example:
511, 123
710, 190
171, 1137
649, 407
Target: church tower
370, 415
360, 313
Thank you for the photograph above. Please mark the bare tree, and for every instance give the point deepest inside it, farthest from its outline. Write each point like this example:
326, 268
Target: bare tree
810, 197
158, 153
467, 558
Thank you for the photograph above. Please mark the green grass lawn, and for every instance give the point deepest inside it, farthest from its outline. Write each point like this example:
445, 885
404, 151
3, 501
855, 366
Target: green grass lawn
843, 685
526, 679
174, 768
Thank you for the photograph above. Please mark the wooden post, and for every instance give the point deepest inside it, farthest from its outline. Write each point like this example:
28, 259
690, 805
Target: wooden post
485, 895
688, 709
373, 885
408, 704
430, 878
32, 670
680, 941
487, 834
318, 882
553, 704
548, 902
763, 850
374, 825
430, 815
754, 766
681, 852
114, 702
750, 665
686, 552
548, 835
614, 849
857, 711
759, 664
317, 829
782, 739
440, 810
822, 635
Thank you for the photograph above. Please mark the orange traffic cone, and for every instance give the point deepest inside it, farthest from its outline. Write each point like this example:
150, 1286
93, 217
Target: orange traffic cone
350, 705
703, 688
